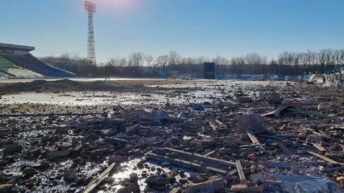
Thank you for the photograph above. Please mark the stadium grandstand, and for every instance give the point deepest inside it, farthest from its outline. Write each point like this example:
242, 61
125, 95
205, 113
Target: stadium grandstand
17, 62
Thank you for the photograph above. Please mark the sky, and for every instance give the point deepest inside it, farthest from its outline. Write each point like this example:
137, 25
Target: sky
192, 28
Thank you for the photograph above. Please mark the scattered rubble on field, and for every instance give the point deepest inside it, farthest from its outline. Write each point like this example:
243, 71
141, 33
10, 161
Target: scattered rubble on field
198, 136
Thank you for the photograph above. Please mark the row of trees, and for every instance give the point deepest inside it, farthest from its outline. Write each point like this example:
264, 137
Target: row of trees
142, 65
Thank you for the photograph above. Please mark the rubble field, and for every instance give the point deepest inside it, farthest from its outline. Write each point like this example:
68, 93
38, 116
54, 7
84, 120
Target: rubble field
169, 136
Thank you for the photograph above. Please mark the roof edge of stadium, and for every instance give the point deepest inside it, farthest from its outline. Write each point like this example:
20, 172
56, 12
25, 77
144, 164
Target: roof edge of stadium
4, 46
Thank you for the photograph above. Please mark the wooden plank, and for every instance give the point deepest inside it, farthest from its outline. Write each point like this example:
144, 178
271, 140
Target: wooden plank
283, 127
234, 171
219, 122
331, 161
245, 188
191, 161
215, 124
249, 146
201, 157
115, 140
185, 164
212, 125
319, 147
240, 171
216, 185
319, 133
276, 112
253, 138
210, 153
95, 182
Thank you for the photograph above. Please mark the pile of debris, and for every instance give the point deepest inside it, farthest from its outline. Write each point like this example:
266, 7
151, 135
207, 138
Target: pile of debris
268, 138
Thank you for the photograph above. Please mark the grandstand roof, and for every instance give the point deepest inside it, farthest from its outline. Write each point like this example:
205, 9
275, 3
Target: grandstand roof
4, 46
31, 63
17, 59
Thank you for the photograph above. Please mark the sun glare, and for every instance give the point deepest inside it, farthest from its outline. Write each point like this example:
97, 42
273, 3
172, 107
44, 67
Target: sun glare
117, 5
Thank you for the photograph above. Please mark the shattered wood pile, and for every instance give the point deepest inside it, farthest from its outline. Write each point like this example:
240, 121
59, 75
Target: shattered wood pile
191, 161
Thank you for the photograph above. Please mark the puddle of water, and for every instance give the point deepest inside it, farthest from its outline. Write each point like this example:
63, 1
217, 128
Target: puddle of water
71, 99
45, 185
15, 168
130, 167
205, 93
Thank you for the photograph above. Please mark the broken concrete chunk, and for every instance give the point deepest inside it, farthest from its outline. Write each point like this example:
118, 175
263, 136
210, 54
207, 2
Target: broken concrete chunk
6, 188
291, 102
138, 130
44, 165
134, 178
275, 99
250, 122
11, 149
244, 99
245, 188
306, 184
113, 122
158, 182
4, 132
29, 172
160, 116
211, 186
287, 102
176, 190
55, 155
311, 186
131, 188
97, 153
197, 106
69, 176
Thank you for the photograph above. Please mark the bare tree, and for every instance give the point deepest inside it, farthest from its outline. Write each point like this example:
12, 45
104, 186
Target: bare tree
136, 59
173, 58
149, 59
162, 61
221, 60
138, 64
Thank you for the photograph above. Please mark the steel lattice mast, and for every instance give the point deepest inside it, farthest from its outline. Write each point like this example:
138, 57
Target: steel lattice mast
91, 49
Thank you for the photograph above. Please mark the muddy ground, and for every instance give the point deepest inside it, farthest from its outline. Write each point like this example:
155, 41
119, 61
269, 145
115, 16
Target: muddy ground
56, 136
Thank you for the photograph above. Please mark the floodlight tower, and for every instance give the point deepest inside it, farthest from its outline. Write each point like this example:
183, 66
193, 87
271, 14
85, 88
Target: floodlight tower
91, 49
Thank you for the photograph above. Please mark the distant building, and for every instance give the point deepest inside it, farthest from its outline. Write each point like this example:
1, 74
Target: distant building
17, 62
209, 70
